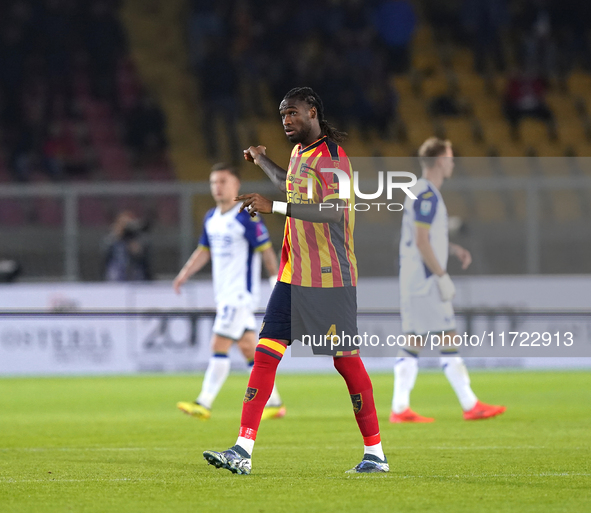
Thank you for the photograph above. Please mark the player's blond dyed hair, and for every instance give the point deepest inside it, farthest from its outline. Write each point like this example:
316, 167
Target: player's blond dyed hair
431, 149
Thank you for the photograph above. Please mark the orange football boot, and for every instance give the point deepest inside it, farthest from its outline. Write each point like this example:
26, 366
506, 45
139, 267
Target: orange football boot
408, 416
483, 411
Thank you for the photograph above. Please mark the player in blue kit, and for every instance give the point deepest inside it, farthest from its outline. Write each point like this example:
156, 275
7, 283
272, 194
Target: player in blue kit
426, 290
235, 243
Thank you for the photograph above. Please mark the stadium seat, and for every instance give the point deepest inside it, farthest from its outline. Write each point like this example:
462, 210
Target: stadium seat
458, 130
579, 84
102, 132
563, 106
404, 86
509, 165
468, 148
4, 172
471, 84
456, 204
554, 166
479, 166
519, 204
167, 208
580, 165
12, 212
434, 85
128, 85
159, 172
463, 60
489, 206
570, 132
96, 110
81, 85
138, 205
49, 211
92, 211
498, 137
114, 162
418, 131
565, 205
533, 133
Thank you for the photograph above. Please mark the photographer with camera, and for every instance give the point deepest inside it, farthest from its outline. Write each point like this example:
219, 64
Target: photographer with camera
127, 252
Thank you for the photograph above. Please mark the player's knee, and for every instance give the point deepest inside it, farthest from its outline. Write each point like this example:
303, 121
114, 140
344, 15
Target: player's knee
269, 350
410, 352
453, 361
247, 346
344, 363
221, 344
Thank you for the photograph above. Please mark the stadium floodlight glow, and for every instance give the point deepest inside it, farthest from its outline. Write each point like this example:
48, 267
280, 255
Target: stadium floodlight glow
345, 183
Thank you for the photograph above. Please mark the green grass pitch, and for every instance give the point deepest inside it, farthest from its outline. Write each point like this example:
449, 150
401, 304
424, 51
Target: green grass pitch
118, 444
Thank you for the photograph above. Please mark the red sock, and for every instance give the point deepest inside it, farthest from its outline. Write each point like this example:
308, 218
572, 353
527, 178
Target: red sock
267, 356
359, 385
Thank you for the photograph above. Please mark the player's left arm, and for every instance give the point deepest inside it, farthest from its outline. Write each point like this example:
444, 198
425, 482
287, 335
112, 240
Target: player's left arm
462, 254
330, 211
327, 208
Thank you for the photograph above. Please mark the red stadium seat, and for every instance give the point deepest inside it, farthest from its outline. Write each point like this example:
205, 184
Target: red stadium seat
12, 212
92, 211
49, 211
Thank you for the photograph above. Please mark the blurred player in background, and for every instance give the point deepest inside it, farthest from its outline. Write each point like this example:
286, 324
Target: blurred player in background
235, 243
316, 291
426, 290
127, 250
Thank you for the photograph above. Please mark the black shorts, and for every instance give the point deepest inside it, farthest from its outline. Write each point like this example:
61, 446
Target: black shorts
315, 316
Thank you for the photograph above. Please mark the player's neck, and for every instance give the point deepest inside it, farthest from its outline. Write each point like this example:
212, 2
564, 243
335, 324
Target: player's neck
226, 206
435, 178
312, 138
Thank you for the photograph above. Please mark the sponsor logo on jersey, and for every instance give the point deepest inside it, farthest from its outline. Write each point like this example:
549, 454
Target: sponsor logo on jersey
426, 207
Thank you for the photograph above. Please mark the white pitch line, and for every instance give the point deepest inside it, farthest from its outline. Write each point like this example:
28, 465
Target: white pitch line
53, 480
391, 476
276, 447
479, 448
483, 476
44, 449
450, 448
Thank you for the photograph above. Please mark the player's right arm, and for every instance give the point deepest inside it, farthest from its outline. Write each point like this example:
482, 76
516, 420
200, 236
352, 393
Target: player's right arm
424, 208
196, 261
277, 175
447, 289
426, 250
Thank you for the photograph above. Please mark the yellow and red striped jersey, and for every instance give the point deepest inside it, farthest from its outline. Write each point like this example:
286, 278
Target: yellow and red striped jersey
318, 254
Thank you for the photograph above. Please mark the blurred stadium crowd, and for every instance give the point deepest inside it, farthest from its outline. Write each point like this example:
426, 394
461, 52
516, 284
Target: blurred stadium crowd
455, 61
72, 106
498, 77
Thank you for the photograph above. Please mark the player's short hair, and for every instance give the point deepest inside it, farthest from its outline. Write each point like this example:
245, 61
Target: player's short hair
431, 149
223, 166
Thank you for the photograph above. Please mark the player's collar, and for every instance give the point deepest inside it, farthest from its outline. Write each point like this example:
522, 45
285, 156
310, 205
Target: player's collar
219, 209
315, 144
431, 184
